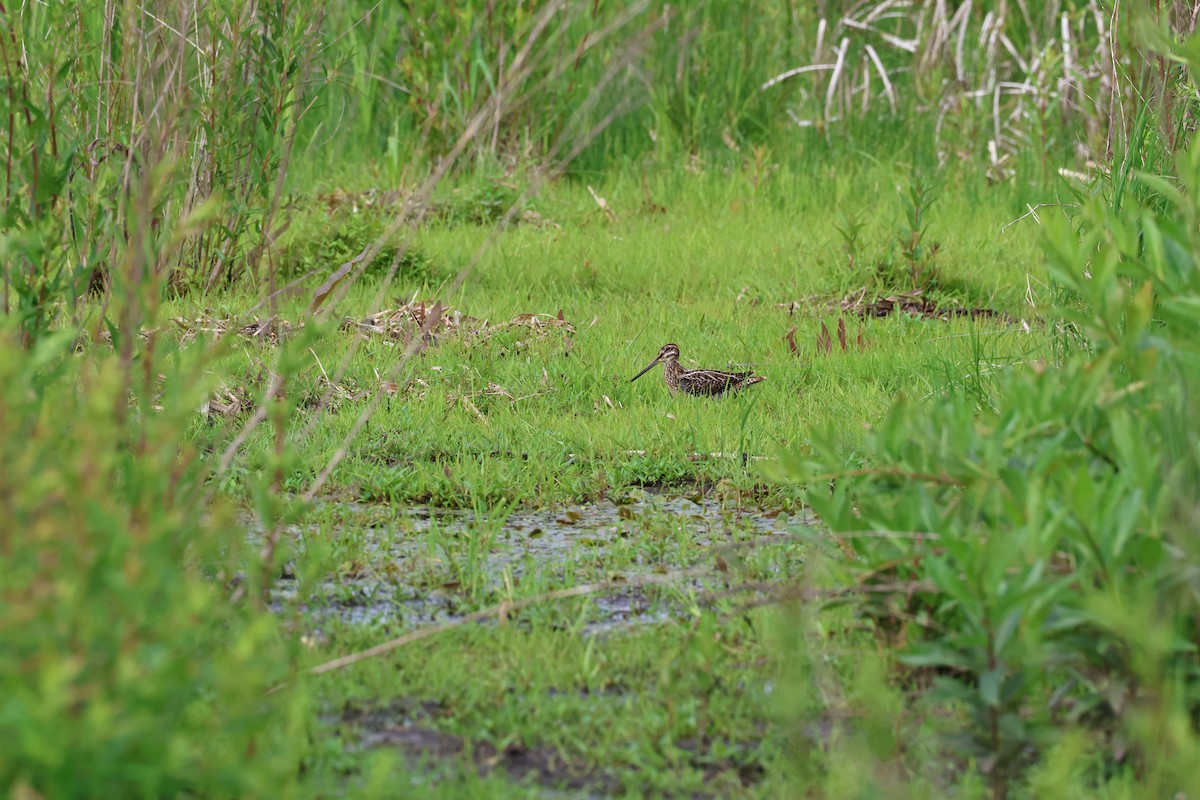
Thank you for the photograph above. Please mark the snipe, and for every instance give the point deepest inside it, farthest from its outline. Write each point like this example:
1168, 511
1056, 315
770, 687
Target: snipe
699, 382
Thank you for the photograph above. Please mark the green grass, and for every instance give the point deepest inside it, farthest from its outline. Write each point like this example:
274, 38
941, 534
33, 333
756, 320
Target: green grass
541, 680
588, 701
689, 701
711, 274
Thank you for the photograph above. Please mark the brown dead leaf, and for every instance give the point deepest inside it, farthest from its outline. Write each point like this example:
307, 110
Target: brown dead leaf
824, 340
224, 403
790, 338
842, 332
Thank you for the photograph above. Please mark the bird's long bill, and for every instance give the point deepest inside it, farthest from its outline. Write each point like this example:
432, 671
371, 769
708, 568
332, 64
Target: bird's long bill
649, 367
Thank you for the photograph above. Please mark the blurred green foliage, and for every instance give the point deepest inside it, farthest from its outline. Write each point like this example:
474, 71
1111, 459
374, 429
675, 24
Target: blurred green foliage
135, 659
1035, 563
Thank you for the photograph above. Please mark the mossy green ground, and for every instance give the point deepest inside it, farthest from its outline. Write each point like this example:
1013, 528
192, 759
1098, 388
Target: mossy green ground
714, 697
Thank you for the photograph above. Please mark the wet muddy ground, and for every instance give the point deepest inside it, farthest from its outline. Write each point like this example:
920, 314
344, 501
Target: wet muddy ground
401, 569
418, 565
409, 728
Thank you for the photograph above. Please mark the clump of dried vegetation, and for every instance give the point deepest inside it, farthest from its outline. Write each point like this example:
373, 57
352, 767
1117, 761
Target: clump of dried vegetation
1000, 79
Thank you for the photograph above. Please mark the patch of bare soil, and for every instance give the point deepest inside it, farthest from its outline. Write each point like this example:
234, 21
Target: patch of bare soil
404, 726
399, 725
741, 764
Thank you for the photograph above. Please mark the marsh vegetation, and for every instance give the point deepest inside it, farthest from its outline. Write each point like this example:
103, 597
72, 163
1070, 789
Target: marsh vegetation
323, 474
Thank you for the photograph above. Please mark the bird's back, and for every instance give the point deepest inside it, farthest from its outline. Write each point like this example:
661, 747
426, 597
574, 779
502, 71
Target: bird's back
711, 382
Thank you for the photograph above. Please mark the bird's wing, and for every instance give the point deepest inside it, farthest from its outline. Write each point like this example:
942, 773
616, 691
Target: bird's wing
710, 381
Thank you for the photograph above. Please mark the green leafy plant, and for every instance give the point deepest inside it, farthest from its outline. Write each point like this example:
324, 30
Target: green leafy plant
850, 228
1034, 565
910, 240
318, 244
135, 661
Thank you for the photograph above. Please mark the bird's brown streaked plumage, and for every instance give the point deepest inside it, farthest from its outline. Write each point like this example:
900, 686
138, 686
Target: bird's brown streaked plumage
697, 382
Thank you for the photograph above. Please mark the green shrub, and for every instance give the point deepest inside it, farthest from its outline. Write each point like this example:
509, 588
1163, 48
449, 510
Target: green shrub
134, 660
1039, 565
323, 243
